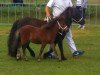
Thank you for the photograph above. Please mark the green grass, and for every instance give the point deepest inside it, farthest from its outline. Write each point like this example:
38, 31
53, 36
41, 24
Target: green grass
88, 64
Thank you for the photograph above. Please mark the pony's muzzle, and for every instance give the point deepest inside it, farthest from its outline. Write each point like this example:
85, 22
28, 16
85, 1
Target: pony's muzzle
66, 30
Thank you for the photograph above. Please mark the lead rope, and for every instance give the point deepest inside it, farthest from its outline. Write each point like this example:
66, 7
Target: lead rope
61, 27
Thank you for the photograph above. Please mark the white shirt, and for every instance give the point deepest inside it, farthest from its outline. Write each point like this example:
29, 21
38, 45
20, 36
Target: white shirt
82, 3
59, 6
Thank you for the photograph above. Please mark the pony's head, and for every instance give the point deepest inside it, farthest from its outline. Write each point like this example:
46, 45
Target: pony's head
76, 16
67, 16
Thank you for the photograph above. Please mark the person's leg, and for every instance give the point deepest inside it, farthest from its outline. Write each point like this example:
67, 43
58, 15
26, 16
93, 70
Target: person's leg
70, 41
71, 44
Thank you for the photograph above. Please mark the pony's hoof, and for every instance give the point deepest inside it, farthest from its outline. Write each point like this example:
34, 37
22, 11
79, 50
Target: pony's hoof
32, 54
26, 59
17, 58
38, 60
59, 59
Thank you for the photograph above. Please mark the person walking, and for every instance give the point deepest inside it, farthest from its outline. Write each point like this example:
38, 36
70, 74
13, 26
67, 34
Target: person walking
58, 7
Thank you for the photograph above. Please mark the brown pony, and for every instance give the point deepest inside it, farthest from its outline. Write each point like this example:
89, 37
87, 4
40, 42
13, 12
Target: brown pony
70, 14
44, 35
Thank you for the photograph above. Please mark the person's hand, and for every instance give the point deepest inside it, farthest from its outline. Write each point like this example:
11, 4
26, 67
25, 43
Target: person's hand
47, 18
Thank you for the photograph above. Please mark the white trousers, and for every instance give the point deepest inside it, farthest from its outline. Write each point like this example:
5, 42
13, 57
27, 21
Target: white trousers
70, 41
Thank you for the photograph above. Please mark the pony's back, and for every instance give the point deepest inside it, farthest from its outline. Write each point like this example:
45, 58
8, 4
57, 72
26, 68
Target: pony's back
37, 35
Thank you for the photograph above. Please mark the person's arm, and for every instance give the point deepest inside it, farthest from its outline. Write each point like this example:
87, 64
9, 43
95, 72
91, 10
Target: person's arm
47, 11
48, 16
49, 5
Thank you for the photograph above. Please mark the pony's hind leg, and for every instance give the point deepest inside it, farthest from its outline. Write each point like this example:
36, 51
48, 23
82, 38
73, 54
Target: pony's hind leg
24, 52
31, 51
41, 51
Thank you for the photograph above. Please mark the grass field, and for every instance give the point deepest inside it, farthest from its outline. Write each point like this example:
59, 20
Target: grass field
88, 64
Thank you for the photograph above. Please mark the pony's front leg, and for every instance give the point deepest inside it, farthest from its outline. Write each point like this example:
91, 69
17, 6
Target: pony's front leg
41, 51
60, 45
59, 41
53, 48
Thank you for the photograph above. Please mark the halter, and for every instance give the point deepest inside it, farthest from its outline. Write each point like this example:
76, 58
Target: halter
60, 27
78, 20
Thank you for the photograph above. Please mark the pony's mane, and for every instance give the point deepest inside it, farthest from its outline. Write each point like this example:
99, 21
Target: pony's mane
67, 11
50, 23
67, 14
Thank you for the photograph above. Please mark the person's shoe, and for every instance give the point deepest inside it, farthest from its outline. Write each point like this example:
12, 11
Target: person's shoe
78, 53
81, 27
49, 55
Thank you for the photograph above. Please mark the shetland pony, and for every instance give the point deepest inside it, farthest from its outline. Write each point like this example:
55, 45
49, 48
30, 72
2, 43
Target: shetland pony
44, 35
70, 14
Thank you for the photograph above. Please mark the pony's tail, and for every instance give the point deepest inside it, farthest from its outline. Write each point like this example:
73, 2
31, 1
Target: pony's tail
15, 45
11, 39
